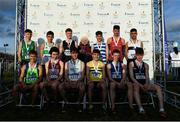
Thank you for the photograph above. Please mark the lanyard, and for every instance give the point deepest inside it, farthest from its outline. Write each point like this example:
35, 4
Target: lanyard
74, 65
32, 69
53, 64
134, 44
69, 44
116, 70
99, 47
116, 42
139, 66
26, 44
95, 68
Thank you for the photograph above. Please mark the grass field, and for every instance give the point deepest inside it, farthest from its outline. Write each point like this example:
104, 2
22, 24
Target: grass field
11, 112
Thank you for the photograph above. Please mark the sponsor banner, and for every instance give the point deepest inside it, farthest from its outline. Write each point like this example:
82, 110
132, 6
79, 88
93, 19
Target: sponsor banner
85, 17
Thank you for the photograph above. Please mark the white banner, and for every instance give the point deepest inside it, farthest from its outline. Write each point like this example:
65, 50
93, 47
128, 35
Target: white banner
85, 17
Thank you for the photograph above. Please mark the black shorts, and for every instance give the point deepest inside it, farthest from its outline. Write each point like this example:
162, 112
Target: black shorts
142, 82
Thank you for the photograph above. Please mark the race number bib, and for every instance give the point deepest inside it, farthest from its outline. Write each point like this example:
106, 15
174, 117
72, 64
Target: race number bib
53, 76
140, 76
131, 54
74, 77
67, 52
116, 76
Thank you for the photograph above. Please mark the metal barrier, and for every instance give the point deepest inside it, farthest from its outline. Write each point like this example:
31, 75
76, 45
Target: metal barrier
6, 82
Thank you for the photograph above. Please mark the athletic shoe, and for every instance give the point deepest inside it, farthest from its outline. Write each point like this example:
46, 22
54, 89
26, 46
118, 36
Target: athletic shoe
163, 114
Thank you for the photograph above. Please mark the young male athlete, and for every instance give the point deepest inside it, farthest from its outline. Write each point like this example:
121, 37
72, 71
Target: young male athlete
30, 77
54, 72
115, 42
46, 46
67, 45
101, 46
25, 46
74, 76
131, 48
116, 71
139, 74
95, 72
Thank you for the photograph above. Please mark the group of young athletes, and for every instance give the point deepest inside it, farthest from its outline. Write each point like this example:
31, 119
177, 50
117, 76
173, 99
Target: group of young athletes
65, 66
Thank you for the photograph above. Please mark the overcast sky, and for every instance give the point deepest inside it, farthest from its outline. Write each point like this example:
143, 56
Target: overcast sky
7, 22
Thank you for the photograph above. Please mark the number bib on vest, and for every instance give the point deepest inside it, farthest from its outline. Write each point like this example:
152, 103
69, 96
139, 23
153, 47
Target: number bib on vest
140, 76
95, 76
67, 52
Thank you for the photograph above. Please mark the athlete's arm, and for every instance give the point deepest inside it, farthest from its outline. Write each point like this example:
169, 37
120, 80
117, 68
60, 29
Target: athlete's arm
41, 51
123, 49
123, 73
47, 71
35, 46
109, 73
21, 78
147, 73
61, 48
66, 73
40, 73
92, 48
82, 72
142, 45
19, 51
104, 73
126, 51
87, 73
76, 44
107, 49
61, 70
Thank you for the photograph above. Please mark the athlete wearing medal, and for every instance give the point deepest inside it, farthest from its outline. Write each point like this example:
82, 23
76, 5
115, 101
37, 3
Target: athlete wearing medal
131, 47
25, 46
54, 72
74, 76
67, 45
116, 71
30, 77
101, 46
95, 73
46, 46
115, 42
139, 74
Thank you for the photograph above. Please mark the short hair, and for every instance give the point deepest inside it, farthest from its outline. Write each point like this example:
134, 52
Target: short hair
33, 52
139, 51
74, 50
68, 30
96, 51
116, 27
28, 31
133, 30
175, 50
50, 33
98, 33
54, 49
115, 51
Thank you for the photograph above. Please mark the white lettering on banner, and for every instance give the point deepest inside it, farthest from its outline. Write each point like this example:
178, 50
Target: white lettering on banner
115, 4
48, 14
35, 5
33, 23
143, 4
88, 4
85, 17
61, 5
